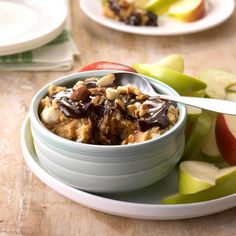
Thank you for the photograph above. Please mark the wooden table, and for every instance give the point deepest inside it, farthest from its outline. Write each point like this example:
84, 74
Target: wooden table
29, 207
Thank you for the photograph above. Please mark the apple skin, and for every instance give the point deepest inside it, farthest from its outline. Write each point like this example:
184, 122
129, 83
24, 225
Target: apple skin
159, 7
225, 139
189, 16
106, 65
225, 185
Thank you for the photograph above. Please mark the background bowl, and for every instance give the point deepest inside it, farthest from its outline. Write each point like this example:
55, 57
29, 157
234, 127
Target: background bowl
104, 168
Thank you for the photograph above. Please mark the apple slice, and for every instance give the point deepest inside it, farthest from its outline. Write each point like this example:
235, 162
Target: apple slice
174, 62
225, 185
193, 113
231, 88
198, 133
217, 81
187, 10
106, 65
195, 176
159, 7
182, 83
226, 137
231, 96
210, 148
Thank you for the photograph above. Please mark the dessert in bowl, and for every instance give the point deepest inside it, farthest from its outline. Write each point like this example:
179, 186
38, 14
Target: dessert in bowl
101, 137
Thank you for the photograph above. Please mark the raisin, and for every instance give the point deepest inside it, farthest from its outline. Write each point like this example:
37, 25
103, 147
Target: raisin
152, 19
114, 6
134, 19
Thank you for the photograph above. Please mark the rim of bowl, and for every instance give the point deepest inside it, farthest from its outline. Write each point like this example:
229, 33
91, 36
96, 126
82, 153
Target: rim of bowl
57, 140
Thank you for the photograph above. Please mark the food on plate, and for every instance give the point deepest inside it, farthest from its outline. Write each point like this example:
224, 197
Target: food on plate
210, 148
217, 81
187, 10
182, 83
107, 65
195, 176
174, 62
193, 113
127, 12
226, 137
224, 185
199, 131
159, 7
98, 111
146, 12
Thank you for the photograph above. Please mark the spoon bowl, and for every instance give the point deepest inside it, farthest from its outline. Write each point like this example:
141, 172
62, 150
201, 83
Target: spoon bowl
216, 105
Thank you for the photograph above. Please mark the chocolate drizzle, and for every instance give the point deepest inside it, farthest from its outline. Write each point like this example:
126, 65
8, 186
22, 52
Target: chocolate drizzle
156, 115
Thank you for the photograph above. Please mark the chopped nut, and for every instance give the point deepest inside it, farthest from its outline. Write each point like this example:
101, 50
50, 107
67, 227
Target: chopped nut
131, 110
119, 103
129, 89
143, 110
81, 93
55, 89
78, 84
112, 94
106, 80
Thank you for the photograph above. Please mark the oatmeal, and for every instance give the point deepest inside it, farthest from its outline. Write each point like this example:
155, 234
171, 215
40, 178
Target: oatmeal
98, 111
127, 12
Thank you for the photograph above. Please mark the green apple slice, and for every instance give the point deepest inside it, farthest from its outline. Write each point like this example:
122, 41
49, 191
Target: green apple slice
159, 7
231, 88
217, 82
231, 96
174, 62
182, 83
210, 148
225, 185
193, 113
195, 176
198, 133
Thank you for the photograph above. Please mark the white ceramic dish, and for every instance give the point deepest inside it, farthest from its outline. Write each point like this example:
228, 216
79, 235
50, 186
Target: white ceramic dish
26, 25
218, 11
143, 204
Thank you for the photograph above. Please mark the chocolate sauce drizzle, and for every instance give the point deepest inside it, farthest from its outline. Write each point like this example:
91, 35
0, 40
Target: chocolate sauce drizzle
157, 115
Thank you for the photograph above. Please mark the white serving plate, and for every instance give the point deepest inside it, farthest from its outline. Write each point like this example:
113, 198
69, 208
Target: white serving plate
142, 204
25, 25
217, 11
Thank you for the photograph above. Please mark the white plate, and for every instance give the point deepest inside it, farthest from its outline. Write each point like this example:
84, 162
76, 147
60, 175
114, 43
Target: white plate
217, 12
25, 25
142, 204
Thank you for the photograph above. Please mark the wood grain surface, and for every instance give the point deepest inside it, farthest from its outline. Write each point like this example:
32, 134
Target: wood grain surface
29, 207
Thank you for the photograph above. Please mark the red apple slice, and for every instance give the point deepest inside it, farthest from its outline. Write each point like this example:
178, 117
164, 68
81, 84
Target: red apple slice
187, 10
226, 137
106, 65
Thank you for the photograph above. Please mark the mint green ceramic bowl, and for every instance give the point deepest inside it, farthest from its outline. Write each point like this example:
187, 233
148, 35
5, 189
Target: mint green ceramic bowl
103, 168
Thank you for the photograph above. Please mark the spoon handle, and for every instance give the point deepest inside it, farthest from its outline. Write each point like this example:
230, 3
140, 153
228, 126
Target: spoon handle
217, 105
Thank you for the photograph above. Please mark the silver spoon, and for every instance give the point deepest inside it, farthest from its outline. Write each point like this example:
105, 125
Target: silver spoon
217, 105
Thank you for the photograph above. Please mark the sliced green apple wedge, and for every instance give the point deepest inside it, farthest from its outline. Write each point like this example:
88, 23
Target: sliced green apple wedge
231, 96
159, 7
182, 83
210, 148
193, 113
217, 82
198, 133
195, 176
174, 62
225, 185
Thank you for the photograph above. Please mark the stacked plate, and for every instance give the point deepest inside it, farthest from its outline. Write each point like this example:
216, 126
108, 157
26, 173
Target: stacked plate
26, 25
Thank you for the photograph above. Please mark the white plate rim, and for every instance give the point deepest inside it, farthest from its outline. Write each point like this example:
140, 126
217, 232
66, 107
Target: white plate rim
30, 41
190, 28
123, 208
